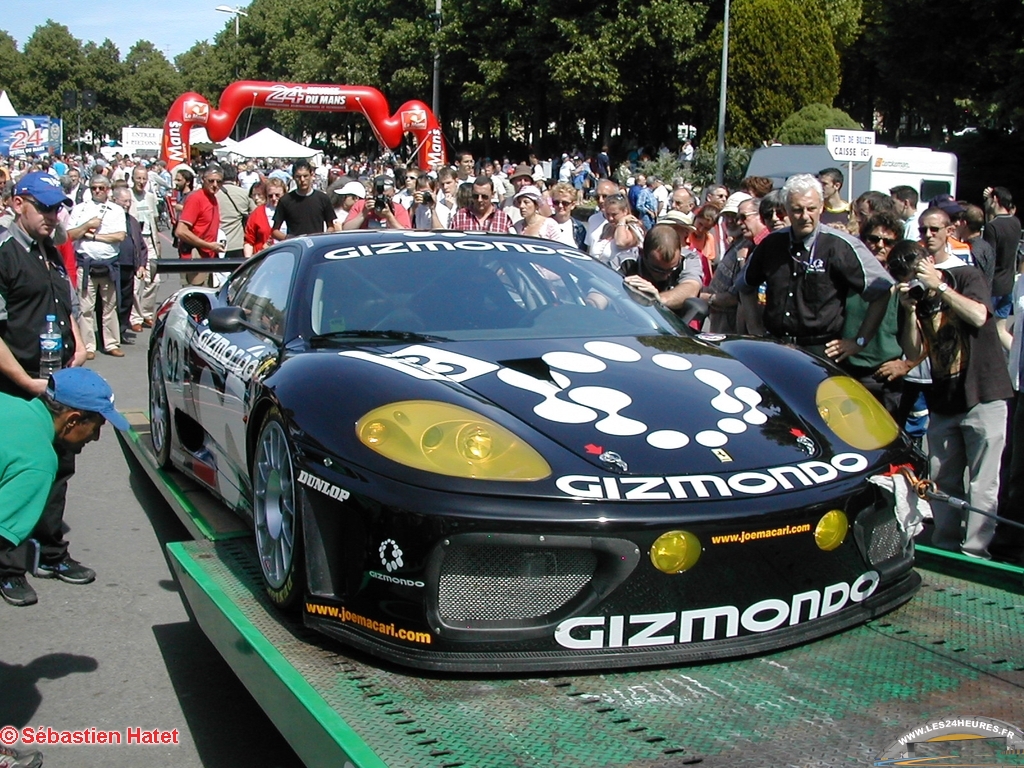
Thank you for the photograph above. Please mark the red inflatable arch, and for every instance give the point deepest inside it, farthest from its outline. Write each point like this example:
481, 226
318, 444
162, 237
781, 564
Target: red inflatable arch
192, 109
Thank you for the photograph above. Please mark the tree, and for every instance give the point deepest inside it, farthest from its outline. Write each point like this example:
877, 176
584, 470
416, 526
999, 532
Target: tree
102, 72
781, 58
51, 63
149, 85
10, 67
807, 126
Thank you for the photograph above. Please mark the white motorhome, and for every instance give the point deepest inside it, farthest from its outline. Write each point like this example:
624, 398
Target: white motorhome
931, 173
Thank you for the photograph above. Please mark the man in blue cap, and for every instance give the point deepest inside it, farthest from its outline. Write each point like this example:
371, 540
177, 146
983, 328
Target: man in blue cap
34, 284
70, 412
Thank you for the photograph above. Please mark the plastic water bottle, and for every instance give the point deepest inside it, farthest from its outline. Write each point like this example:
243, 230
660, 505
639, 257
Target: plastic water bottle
51, 348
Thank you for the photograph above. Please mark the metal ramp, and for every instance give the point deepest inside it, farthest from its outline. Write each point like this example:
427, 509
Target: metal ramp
957, 648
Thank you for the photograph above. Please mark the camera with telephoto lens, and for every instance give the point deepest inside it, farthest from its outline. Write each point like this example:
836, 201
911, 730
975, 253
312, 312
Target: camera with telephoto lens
902, 265
380, 200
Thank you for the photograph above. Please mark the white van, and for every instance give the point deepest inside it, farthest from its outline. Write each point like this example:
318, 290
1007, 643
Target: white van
930, 173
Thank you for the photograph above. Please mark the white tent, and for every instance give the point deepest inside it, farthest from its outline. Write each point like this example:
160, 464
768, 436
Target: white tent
6, 108
268, 143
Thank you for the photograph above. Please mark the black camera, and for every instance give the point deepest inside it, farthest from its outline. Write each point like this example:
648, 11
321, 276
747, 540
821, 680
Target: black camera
380, 200
902, 265
428, 199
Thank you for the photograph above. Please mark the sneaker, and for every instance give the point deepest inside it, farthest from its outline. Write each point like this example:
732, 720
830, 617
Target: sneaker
12, 758
17, 591
68, 569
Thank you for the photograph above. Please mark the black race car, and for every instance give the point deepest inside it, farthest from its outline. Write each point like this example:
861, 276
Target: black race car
476, 452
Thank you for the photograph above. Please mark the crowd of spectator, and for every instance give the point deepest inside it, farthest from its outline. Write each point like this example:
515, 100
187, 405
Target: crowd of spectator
800, 264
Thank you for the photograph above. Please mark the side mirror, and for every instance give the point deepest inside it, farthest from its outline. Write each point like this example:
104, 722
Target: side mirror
227, 319
693, 309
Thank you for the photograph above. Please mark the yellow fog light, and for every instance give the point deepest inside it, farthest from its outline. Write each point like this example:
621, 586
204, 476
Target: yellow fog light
853, 413
449, 440
675, 551
831, 530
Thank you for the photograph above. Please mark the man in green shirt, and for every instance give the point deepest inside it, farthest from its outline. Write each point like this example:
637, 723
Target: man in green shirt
70, 413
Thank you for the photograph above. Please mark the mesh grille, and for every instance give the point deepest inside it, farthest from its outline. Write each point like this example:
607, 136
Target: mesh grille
499, 583
886, 541
195, 304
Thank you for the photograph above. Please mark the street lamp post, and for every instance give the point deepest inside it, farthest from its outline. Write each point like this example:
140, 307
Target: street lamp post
720, 149
236, 12
435, 102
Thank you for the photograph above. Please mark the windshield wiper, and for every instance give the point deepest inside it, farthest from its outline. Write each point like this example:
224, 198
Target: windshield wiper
324, 338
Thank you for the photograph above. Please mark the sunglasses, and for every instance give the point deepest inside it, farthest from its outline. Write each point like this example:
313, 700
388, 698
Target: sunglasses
481, 197
99, 188
876, 239
44, 208
929, 230
561, 203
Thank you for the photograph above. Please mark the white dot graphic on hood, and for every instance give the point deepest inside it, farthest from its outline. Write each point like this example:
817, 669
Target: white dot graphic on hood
574, 362
722, 401
672, 362
612, 351
753, 399
552, 409
611, 401
732, 426
709, 438
667, 439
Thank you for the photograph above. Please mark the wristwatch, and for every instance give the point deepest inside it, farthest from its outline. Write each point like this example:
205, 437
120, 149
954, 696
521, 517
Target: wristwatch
860, 341
943, 287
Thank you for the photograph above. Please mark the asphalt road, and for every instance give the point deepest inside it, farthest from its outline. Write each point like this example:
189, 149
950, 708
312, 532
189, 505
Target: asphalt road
122, 652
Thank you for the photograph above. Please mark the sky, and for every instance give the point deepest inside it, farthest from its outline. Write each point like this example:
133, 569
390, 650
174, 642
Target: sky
173, 28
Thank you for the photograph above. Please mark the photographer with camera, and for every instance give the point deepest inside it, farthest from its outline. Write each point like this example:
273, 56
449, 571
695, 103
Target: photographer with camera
946, 313
380, 212
428, 211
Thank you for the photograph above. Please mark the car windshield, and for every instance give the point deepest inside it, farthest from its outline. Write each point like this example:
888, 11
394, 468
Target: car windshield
467, 289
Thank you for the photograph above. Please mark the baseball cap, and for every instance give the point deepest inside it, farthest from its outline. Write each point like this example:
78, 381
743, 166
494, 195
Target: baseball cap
42, 187
353, 188
947, 204
85, 390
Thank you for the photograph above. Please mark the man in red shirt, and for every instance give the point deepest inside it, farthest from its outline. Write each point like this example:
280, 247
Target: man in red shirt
482, 216
199, 222
379, 212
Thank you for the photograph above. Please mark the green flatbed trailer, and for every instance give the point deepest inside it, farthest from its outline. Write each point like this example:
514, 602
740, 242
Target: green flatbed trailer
956, 649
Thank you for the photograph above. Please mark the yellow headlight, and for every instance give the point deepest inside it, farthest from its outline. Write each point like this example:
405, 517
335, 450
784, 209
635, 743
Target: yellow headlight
855, 416
675, 551
831, 530
449, 440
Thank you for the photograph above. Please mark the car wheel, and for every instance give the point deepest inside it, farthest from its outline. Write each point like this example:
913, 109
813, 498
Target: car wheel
159, 413
276, 515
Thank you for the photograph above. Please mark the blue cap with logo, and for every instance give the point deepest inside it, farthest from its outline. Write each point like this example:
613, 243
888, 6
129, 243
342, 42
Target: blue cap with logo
85, 390
42, 187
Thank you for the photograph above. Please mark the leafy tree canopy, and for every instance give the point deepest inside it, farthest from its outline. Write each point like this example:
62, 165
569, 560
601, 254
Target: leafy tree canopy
807, 126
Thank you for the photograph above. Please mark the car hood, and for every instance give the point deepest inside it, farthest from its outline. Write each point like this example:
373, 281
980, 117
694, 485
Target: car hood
646, 405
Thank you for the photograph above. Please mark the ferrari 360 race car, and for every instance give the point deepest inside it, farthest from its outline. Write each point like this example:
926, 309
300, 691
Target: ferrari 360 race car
463, 451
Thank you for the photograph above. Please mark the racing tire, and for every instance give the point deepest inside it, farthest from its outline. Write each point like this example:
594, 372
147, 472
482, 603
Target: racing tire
277, 514
159, 413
